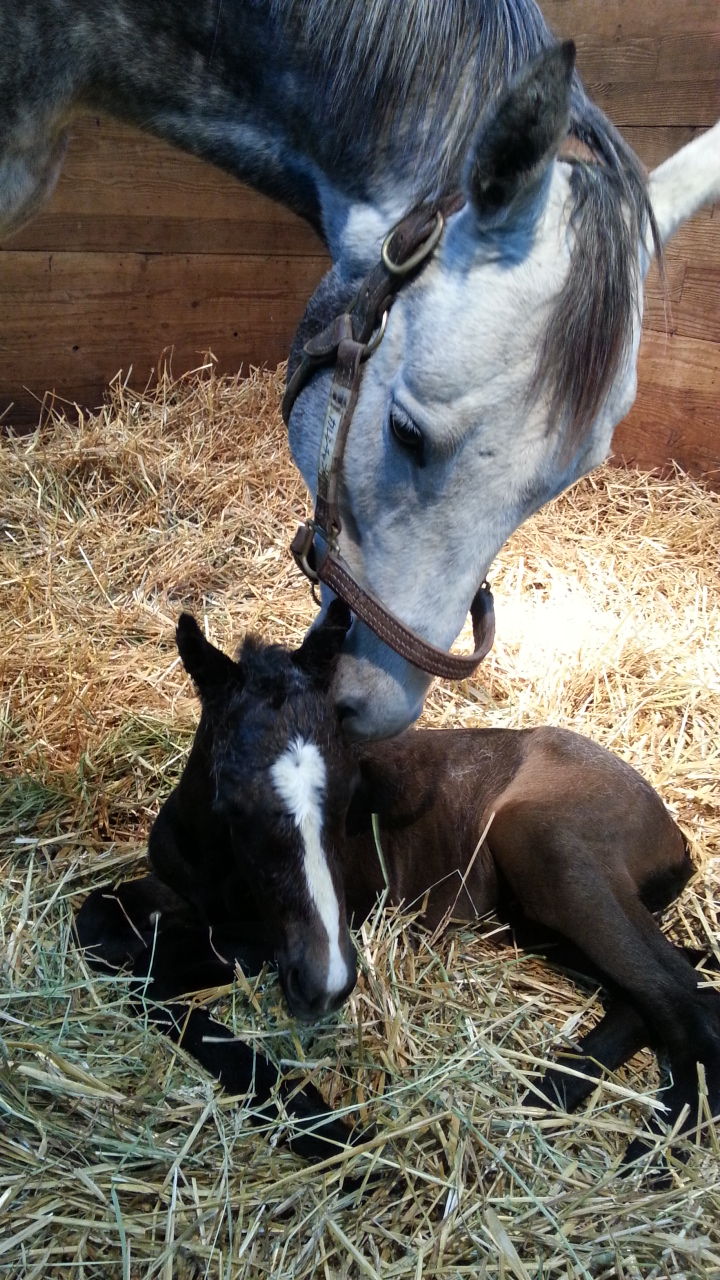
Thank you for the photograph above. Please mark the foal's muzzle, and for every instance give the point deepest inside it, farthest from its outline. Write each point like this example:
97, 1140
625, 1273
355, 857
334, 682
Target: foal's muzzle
304, 984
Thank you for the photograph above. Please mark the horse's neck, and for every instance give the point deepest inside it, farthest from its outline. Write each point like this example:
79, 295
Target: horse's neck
210, 79
228, 82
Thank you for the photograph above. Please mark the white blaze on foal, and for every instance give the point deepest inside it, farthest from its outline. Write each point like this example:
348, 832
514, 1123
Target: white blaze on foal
299, 779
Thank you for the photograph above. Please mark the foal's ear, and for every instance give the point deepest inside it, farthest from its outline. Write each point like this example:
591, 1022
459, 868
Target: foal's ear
321, 647
210, 669
520, 134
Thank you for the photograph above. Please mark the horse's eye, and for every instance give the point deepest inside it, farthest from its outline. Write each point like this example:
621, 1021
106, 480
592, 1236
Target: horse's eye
407, 433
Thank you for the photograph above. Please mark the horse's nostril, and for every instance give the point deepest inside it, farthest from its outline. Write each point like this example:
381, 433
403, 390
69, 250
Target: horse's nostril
302, 998
292, 986
308, 999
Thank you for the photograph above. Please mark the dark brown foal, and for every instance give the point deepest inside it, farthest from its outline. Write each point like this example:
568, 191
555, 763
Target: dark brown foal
265, 849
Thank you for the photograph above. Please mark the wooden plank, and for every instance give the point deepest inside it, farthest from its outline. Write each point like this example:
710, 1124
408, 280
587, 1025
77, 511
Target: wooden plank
152, 233
673, 429
698, 312
698, 240
651, 59
690, 56
627, 19
671, 102
663, 298
121, 190
676, 414
646, 64
71, 321
677, 364
689, 306
601, 61
656, 143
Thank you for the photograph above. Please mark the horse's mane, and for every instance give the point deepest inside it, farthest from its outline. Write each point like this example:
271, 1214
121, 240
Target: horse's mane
412, 81
421, 71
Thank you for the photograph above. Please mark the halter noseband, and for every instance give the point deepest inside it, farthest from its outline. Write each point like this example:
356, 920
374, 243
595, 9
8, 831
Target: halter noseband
348, 341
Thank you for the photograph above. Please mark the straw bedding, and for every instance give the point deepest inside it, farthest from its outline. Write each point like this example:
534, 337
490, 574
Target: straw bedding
118, 1157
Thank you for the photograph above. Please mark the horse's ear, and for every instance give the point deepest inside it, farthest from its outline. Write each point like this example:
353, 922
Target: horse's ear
321, 647
210, 669
686, 181
520, 134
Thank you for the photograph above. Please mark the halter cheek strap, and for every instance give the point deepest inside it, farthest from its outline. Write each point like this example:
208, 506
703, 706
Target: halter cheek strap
348, 341
329, 567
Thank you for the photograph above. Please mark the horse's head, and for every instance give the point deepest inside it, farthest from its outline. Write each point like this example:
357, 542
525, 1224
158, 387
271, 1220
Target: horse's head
505, 366
281, 782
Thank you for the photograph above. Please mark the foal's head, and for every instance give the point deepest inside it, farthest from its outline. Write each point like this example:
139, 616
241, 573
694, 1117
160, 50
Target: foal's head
281, 778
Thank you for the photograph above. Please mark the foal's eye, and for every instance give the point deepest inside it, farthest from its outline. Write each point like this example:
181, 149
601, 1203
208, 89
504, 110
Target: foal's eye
407, 433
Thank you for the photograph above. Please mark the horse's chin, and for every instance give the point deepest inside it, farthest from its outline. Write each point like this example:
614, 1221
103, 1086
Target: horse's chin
377, 694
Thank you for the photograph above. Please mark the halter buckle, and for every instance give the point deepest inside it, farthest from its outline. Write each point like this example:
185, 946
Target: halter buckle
422, 252
303, 544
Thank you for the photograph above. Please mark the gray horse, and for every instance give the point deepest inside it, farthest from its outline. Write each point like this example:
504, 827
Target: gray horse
511, 357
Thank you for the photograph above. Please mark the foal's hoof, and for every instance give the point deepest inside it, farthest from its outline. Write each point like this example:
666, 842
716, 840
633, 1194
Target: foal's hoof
317, 1136
544, 1096
106, 931
656, 1176
328, 1137
558, 1090
317, 1133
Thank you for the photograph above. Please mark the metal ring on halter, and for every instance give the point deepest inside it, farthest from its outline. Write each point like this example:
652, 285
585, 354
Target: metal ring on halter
301, 546
423, 251
377, 336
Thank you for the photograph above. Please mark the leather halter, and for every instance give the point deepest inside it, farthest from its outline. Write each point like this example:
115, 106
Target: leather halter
348, 341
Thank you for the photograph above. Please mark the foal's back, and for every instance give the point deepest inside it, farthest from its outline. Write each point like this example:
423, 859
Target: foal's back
547, 801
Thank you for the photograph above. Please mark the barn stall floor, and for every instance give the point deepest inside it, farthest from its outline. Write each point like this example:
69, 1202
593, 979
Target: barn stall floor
117, 1155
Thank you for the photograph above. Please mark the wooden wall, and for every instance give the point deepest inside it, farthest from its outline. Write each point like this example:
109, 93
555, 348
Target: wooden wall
142, 248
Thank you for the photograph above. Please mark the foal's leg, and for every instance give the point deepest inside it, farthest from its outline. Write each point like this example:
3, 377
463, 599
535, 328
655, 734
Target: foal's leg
623, 939
616, 1038
599, 911
117, 925
145, 927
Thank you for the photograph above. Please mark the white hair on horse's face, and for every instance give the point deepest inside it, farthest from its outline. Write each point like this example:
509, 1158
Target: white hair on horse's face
299, 780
